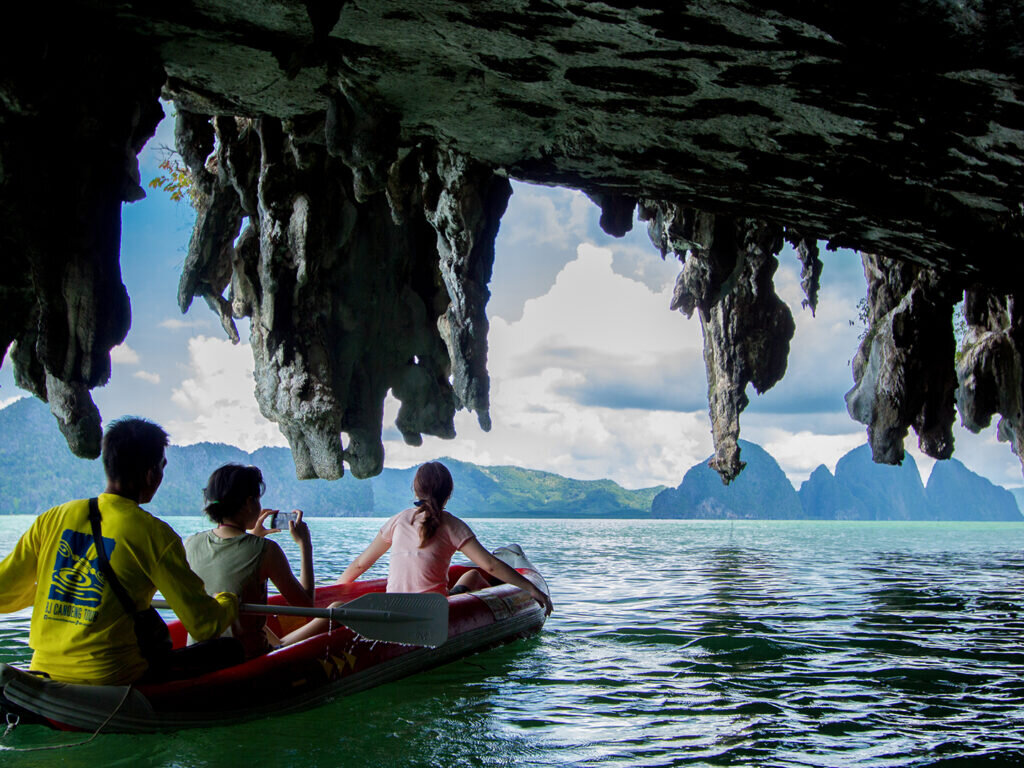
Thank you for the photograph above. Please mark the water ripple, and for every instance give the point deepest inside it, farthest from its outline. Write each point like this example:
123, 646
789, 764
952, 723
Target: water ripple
679, 643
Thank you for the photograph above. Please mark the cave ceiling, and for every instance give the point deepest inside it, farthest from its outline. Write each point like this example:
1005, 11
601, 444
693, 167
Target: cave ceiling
351, 163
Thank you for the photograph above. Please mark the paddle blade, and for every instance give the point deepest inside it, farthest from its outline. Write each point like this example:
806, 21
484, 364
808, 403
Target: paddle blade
409, 619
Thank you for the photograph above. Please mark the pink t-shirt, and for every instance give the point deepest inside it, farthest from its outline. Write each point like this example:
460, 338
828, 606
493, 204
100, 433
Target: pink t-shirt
416, 569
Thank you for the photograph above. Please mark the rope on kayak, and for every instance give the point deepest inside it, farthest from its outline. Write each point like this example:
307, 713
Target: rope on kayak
12, 724
327, 646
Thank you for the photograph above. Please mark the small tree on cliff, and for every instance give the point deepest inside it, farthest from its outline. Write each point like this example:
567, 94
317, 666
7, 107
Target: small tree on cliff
177, 180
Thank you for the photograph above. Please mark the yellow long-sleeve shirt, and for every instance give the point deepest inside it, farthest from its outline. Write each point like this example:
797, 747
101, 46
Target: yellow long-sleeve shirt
80, 633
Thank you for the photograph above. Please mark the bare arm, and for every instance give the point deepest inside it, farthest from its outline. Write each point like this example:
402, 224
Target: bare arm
499, 570
362, 564
204, 617
300, 533
277, 569
18, 576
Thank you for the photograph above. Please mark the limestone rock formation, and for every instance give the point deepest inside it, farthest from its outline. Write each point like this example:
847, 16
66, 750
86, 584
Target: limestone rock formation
762, 492
727, 275
352, 165
822, 498
956, 493
990, 371
863, 490
904, 369
349, 297
67, 163
879, 492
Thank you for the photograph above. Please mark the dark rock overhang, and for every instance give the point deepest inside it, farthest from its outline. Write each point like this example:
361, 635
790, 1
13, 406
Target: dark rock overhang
366, 149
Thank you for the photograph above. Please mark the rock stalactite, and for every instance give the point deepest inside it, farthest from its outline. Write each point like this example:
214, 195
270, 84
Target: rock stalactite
728, 267
904, 369
746, 340
358, 280
990, 370
75, 110
811, 266
352, 165
464, 202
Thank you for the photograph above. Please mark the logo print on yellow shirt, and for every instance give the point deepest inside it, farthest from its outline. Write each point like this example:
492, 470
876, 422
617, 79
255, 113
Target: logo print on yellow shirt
76, 585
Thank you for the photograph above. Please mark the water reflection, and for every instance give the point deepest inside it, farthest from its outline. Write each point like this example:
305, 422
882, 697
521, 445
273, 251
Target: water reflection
680, 643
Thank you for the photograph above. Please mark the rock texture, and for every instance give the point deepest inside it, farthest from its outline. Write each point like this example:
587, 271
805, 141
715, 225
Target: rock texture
351, 292
361, 151
74, 112
904, 368
863, 490
956, 493
727, 276
990, 370
762, 492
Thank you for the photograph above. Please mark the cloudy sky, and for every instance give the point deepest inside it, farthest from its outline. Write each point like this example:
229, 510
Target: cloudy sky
591, 375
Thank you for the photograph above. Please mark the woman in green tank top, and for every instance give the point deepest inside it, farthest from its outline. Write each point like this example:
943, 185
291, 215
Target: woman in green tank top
236, 557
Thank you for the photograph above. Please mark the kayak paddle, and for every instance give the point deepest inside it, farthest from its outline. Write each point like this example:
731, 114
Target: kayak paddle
394, 617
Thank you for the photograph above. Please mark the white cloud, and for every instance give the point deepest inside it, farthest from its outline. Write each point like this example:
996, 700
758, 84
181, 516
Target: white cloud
122, 354
217, 398
152, 378
538, 236
10, 400
542, 366
800, 453
633, 259
635, 448
177, 324
556, 216
591, 307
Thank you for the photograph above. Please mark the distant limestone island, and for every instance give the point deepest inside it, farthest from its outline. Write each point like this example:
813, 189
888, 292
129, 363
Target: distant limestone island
859, 490
37, 471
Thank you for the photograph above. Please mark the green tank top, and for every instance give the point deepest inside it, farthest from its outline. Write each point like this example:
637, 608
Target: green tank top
233, 565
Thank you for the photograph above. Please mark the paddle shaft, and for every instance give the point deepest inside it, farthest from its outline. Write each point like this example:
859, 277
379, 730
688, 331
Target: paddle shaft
414, 619
337, 614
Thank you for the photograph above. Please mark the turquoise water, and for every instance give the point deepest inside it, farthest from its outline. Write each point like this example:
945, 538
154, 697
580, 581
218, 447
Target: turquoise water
673, 643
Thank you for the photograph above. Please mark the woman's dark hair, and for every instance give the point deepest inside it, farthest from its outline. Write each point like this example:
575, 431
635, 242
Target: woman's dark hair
229, 487
433, 487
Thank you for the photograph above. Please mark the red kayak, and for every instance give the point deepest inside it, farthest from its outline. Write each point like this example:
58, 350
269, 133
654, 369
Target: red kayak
297, 677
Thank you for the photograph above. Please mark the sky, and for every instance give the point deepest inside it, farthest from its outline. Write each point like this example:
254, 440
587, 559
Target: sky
592, 376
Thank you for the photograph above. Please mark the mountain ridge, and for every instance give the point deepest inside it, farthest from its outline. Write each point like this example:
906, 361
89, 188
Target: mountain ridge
859, 489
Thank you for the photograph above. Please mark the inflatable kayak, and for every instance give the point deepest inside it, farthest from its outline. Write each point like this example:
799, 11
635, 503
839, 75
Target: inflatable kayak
296, 677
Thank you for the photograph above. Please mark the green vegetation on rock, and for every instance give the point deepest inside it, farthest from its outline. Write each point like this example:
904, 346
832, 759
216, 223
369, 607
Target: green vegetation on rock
37, 471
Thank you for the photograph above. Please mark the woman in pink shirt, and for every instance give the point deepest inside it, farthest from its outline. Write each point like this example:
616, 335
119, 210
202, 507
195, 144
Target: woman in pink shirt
423, 539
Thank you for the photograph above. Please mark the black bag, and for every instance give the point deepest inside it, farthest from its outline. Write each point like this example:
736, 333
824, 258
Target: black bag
152, 634
150, 629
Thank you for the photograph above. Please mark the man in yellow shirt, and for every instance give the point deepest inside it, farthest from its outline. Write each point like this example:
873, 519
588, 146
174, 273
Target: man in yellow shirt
80, 631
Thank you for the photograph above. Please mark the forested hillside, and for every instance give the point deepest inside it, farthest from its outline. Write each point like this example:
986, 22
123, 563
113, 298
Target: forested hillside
37, 471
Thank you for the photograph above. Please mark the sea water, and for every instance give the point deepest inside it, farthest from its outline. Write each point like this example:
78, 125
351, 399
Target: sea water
752, 643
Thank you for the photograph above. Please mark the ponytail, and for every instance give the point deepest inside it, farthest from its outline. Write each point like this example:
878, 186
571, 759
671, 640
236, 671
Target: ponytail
433, 487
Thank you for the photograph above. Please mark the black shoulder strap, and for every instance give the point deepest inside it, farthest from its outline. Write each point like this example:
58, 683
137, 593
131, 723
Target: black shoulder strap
101, 554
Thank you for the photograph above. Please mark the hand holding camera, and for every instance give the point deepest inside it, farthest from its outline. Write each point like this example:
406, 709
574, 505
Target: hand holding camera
298, 529
281, 519
277, 521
